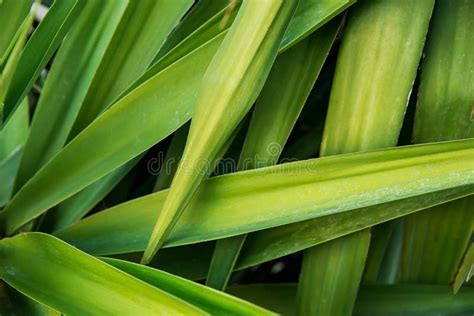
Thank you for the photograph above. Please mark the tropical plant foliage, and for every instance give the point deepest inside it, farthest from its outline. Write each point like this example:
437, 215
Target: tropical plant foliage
236, 157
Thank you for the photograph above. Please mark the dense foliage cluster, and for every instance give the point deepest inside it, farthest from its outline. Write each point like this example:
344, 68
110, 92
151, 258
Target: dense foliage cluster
236, 157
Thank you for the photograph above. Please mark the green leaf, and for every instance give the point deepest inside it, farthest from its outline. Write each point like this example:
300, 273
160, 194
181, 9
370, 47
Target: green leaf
411, 299
292, 192
372, 300
77, 206
277, 108
444, 109
367, 107
223, 261
12, 139
421, 249
283, 96
329, 295
207, 32
380, 238
207, 299
252, 45
435, 240
284, 240
199, 14
366, 111
96, 152
192, 261
311, 10
104, 84
465, 270
12, 15
173, 156
40, 48
280, 297
78, 284
13, 302
8, 169
67, 83
309, 16
8, 72
15, 132
139, 36
390, 265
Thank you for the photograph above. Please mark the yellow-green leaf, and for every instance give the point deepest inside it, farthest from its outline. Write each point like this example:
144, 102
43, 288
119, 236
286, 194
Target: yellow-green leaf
292, 192
435, 240
207, 299
77, 284
229, 87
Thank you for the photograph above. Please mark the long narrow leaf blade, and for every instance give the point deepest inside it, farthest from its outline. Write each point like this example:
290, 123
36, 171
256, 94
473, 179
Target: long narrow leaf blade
317, 283
15, 132
77, 206
379, 241
171, 161
8, 72
99, 289
201, 12
12, 139
329, 187
465, 270
40, 48
8, 169
192, 261
251, 45
12, 15
435, 240
284, 240
311, 10
207, 299
13, 302
372, 300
